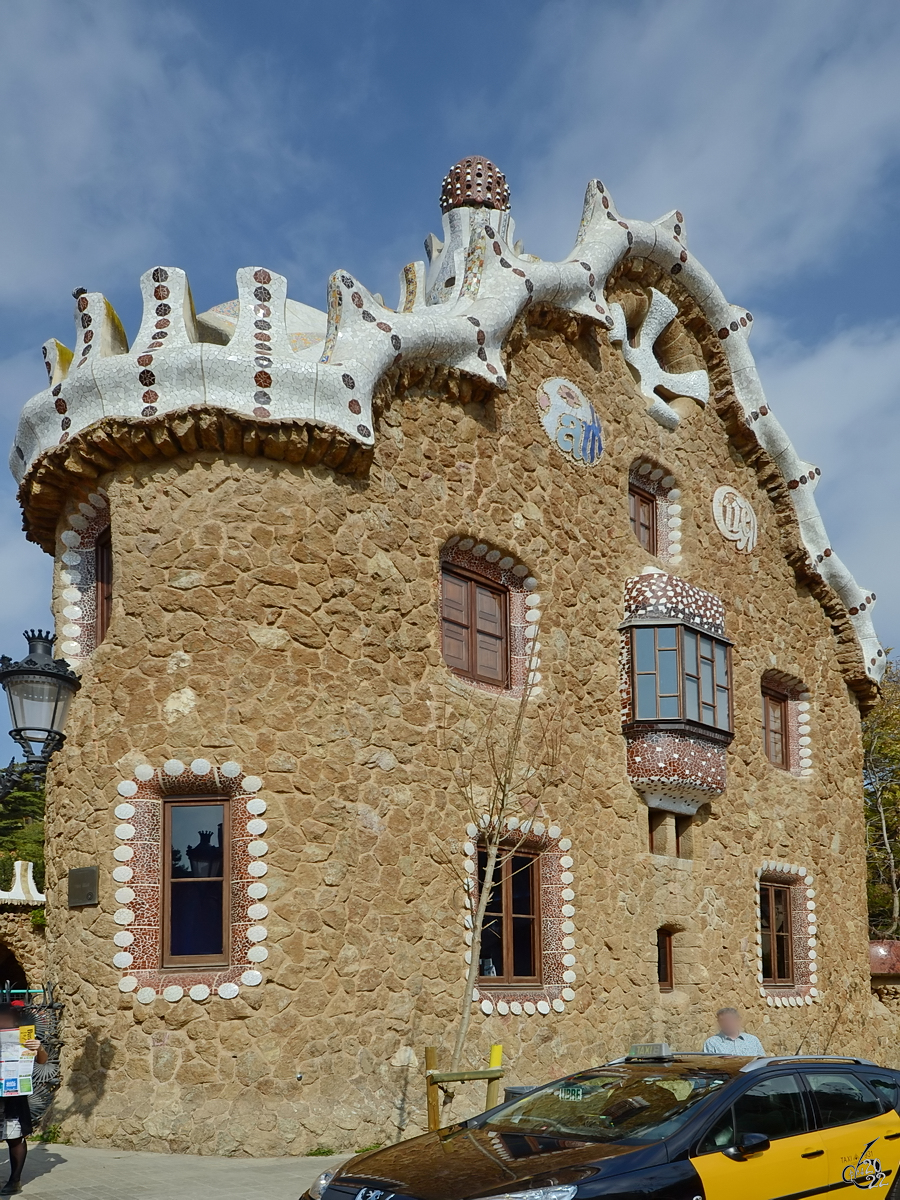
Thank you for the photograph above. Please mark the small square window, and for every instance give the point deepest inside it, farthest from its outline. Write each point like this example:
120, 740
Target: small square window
475, 628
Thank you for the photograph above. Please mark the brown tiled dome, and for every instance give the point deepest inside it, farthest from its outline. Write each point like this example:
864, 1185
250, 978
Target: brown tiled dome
474, 183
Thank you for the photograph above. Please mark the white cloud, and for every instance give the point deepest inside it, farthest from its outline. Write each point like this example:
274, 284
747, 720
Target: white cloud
771, 126
840, 403
114, 137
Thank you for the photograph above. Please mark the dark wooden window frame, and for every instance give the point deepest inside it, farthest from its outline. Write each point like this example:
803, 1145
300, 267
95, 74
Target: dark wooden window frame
638, 497
504, 866
767, 896
103, 568
665, 961
183, 962
683, 673
772, 700
474, 580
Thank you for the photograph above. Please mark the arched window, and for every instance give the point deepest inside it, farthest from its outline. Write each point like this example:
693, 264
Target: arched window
489, 614
654, 509
786, 722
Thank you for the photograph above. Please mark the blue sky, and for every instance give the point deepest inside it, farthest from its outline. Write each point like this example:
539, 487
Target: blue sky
308, 137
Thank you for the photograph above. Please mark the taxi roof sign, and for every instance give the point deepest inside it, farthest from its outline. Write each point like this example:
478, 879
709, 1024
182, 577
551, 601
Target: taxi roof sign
651, 1050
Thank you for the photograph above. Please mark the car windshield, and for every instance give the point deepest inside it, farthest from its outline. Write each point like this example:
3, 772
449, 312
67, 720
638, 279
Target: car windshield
638, 1103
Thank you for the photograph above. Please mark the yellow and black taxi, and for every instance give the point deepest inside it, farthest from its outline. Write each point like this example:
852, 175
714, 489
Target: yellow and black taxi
661, 1125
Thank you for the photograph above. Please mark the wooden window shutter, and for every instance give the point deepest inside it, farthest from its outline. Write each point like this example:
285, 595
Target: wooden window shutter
490, 635
455, 621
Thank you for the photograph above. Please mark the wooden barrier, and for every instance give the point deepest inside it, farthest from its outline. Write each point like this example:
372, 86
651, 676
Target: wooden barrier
435, 1081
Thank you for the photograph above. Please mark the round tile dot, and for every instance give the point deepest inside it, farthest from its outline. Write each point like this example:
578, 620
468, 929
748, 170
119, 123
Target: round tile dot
252, 783
257, 954
487, 1007
122, 874
543, 1007
257, 869
127, 787
252, 978
200, 766
124, 811
128, 984
144, 773
123, 938
124, 895
502, 1008
569, 976
257, 849
174, 767
565, 844
173, 993
199, 992
230, 770
257, 891
568, 994
146, 995
123, 916
559, 1006
529, 1008
515, 1008
256, 827
123, 959
123, 853
256, 806
257, 912
228, 991
125, 832
257, 933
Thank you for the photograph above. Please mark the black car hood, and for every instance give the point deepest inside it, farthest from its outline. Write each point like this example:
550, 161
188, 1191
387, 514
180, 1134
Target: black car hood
459, 1163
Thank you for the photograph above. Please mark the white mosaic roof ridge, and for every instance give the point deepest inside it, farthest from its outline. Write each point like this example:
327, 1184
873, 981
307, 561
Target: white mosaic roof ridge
366, 339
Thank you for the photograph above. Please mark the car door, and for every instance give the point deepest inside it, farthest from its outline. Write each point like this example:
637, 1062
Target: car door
795, 1162
860, 1132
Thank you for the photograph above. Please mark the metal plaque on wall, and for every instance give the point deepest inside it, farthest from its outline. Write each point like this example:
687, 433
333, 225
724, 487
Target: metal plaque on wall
84, 886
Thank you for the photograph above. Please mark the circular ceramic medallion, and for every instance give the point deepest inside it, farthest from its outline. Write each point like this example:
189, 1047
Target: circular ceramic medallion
735, 518
570, 420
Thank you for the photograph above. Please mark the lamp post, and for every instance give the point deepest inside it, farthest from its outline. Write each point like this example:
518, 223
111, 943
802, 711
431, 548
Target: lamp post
39, 690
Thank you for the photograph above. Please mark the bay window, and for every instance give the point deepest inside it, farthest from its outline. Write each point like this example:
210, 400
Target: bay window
680, 674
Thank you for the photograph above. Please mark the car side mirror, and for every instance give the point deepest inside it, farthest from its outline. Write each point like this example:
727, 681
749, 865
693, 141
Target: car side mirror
748, 1143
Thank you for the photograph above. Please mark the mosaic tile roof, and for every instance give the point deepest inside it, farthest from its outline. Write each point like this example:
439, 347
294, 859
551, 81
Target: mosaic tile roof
456, 312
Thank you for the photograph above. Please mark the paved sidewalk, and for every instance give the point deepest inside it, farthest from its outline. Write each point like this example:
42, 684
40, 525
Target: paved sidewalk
53, 1172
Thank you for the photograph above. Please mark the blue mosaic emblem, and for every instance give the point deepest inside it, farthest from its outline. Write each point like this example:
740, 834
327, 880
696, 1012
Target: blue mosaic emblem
570, 420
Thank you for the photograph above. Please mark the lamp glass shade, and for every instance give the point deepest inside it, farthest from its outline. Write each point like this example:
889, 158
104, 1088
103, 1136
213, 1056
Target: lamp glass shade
38, 704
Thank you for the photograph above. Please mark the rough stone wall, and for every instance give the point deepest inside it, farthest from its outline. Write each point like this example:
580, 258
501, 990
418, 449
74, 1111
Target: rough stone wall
286, 617
27, 945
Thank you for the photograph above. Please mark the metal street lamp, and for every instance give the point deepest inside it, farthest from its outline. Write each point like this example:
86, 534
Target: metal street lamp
39, 690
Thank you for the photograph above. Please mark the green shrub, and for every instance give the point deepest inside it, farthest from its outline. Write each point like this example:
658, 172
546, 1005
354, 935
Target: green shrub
320, 1152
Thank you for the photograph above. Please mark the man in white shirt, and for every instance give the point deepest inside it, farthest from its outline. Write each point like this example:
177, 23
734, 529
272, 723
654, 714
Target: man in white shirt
731, 1039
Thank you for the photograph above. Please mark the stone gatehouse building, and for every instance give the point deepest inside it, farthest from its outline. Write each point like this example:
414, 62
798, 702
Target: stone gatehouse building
295, 547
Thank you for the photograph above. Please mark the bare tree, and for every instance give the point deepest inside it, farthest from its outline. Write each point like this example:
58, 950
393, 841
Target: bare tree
503, 756
881, 779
